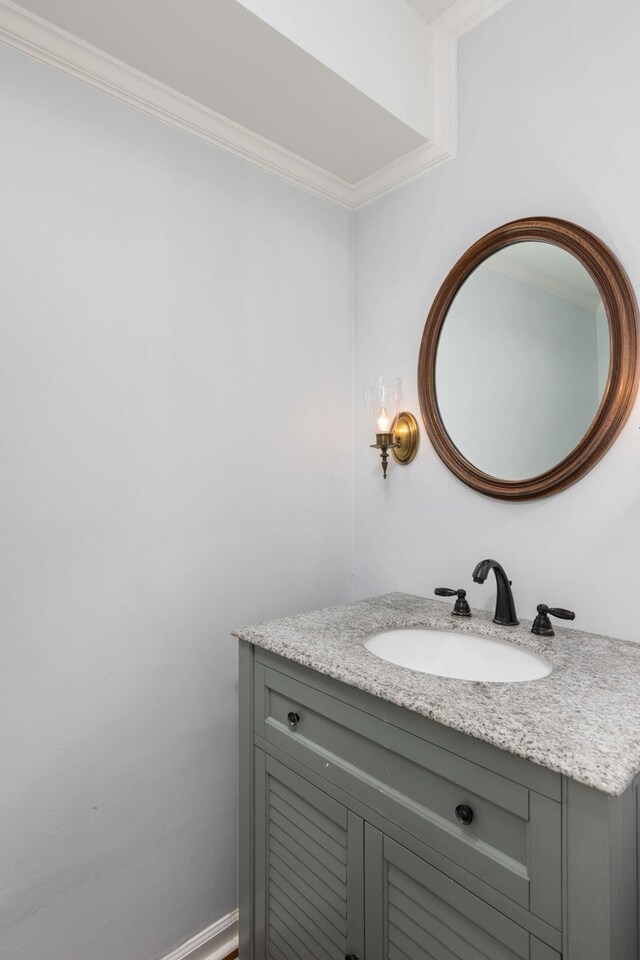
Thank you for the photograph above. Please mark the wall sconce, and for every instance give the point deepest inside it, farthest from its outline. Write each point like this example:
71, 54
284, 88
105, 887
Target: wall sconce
395, 430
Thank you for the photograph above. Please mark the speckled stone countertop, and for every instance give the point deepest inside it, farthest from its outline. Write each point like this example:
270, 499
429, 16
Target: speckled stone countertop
582, 720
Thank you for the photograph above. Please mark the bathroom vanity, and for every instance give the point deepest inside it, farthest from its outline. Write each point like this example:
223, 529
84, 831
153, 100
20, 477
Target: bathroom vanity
387, 813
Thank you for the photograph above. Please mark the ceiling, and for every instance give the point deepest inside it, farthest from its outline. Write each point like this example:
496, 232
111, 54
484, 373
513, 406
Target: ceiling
344, 104
222, 56
430, 9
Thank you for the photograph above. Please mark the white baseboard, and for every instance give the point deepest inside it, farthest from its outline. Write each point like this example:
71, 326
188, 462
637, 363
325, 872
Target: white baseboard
214, 943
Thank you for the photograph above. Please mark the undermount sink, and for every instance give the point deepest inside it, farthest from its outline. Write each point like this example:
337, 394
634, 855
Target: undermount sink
462, 656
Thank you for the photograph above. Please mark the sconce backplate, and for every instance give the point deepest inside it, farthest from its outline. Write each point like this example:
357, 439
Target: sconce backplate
405, 429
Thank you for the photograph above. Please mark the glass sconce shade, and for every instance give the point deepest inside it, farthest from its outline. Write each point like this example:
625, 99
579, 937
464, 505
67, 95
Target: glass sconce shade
382, 399
396, 431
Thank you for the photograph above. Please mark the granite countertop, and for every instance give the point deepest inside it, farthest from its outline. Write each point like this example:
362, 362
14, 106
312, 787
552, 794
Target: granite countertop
582, 720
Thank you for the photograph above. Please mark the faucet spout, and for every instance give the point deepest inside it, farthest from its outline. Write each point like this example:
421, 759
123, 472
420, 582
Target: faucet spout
505, 612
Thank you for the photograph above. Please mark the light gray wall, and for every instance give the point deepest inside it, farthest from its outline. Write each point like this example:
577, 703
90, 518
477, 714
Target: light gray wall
175, 396
148, 282
546, 93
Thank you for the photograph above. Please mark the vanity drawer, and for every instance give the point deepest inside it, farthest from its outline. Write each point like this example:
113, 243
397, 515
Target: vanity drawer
512, 843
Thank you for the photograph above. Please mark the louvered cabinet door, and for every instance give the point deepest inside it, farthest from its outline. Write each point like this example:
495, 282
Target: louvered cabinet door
308, 870
414, 912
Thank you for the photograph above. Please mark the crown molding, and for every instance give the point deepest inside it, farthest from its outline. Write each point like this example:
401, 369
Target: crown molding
465, 15
56, 47
442, 144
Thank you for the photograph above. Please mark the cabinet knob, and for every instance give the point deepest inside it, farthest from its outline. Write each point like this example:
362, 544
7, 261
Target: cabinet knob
350, 956
293, 719
464, 814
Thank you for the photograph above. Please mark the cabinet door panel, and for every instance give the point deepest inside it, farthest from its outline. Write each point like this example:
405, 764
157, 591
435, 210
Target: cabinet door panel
414, 912
309, 870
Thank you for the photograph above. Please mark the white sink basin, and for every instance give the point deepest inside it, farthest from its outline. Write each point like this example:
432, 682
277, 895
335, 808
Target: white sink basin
463, 656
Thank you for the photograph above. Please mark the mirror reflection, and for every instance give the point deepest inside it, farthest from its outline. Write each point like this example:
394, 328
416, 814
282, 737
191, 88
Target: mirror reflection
522, 360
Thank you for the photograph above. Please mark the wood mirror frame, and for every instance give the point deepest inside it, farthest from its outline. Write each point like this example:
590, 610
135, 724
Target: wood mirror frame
621, 308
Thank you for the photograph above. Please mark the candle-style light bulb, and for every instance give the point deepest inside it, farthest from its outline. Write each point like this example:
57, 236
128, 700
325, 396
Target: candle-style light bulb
383, 421
382, 401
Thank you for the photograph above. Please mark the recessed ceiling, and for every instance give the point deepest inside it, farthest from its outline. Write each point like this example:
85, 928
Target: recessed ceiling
223, 56
344, 104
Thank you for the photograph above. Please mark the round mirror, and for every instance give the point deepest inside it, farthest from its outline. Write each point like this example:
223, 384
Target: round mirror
528, 365
523, 360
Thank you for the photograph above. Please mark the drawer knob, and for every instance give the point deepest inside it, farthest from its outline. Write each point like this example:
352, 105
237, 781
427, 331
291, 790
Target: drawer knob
464, 814
293, 719
351, 956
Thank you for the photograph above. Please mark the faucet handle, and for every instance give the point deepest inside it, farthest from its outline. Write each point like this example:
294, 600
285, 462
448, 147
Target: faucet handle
542, 625
561, 613
461, 607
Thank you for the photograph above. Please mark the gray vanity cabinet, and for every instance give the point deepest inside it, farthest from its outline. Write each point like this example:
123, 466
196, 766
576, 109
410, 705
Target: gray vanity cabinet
314, 860
351, 844
308, 869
